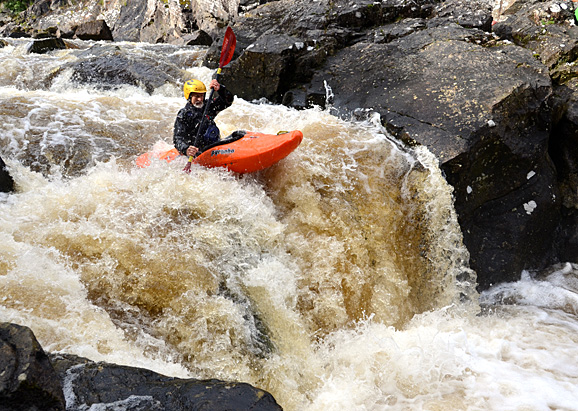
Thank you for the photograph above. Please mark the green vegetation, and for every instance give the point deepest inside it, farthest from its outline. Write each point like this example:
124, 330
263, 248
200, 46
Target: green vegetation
545, 22
16, 6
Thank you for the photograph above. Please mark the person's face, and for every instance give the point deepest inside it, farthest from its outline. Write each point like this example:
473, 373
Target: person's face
197, 99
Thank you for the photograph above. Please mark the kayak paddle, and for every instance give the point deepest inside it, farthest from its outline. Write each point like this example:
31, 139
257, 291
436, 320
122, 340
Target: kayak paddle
227, 52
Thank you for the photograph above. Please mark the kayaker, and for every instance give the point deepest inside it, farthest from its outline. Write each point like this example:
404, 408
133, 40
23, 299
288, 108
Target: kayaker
190, 117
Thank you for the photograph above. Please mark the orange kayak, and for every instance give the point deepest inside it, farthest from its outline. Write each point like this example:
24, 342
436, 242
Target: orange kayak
242, 152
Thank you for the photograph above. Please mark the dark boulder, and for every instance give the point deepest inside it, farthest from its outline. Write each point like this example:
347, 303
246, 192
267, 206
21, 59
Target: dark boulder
197, 38
27, 381
46, 45
99, 384
15, 32
270, 57
94, 30
31, 380
110, 66
563, 150
548, 29
6, 181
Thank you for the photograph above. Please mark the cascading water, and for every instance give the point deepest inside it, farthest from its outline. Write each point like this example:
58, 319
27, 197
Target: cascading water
336, 279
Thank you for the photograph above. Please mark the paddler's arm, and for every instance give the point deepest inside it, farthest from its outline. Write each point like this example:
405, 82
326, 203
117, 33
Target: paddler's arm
221, 99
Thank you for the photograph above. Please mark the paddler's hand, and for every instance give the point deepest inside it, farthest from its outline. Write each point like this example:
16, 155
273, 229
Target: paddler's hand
191, 151
214, 84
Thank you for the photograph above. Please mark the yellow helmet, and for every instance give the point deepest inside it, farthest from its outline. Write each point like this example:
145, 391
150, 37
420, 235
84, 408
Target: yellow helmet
193, 86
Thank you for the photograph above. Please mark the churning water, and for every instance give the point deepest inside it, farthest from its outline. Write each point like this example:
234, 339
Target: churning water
336, 279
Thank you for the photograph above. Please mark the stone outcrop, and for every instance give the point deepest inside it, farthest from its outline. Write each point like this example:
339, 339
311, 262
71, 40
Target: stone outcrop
153, 21
33, 380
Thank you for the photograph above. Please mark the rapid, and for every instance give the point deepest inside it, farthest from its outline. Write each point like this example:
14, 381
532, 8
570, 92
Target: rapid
336, 279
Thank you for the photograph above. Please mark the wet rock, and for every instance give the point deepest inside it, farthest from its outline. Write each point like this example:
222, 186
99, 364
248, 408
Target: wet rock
15, 31
270, 57
563, 151
31, 380
27, 381
47, 45
50, 32
282, 43
198, 38
94, 30
101, 385
6, 181
109, 67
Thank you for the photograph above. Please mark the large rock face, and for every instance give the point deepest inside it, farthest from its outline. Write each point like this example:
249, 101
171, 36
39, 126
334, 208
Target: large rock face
150, 21
482, 109
212, 14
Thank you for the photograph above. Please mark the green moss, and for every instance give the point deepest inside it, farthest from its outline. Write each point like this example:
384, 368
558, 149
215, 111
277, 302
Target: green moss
16, 6
547, 22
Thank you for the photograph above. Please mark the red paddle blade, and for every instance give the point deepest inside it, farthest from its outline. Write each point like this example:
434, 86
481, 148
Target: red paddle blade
228, 49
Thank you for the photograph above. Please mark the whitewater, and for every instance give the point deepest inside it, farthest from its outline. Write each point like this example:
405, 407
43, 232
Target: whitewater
336, 279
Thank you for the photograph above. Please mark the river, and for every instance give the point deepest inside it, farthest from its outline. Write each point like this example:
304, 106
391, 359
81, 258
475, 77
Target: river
336, 279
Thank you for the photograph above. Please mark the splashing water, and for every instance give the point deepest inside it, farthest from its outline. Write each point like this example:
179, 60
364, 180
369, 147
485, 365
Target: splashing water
336, 279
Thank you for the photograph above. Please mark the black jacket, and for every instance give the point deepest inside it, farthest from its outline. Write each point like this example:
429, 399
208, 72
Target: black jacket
189, 119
